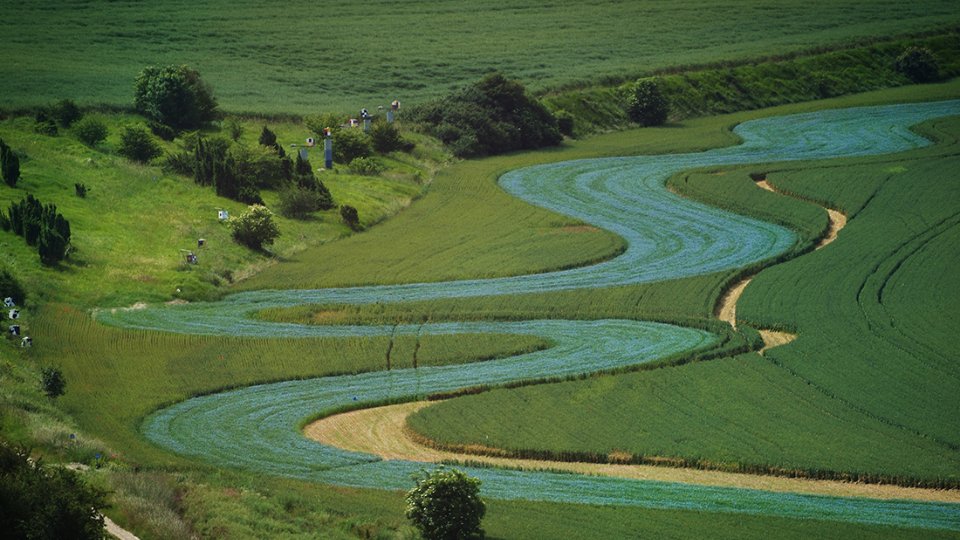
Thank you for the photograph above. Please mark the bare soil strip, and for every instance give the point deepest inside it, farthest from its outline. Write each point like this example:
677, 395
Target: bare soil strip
382, 431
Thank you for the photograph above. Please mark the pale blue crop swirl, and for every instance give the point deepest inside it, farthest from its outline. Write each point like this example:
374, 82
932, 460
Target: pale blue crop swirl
667, 237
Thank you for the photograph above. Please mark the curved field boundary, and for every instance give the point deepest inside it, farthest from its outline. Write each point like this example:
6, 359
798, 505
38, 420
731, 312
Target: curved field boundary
257, 428
382, 431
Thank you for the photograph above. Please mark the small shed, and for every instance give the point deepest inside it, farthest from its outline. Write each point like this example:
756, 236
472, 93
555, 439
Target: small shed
192, 258
14, 314
9, 302
223, 215
201, 242
14, 329
26, 341
311, 141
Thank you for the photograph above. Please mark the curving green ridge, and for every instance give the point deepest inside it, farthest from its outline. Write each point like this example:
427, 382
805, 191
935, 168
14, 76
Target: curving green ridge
668, 237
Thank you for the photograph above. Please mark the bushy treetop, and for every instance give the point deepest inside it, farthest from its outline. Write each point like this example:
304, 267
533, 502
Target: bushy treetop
175, 96
492, 116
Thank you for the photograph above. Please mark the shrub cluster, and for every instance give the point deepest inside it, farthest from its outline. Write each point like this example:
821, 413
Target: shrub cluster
39, 225
174, 96
350, 216
492, 116
255, 227
9, 164
647, 105
91, 131
367, 166
136, 144
446, 504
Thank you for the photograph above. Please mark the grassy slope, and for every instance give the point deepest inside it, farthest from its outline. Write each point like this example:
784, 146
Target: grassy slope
166, 214
871, 380
346, 55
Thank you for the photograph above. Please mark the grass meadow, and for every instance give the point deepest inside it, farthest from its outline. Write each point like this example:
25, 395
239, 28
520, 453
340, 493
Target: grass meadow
309, 57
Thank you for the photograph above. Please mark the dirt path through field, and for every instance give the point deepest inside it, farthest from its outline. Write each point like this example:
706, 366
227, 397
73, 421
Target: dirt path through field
112, 528
727, 307
382, 431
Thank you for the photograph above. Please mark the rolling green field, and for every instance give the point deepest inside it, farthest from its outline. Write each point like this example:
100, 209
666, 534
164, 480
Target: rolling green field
873, 335
341, 56
270, 61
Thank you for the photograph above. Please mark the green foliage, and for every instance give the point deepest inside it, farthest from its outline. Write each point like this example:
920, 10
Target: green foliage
41, 225
647, 104
10, 287
386, 138
80, 190
175, 96
52, 382
66, 112
163, 131
9, 164
730, 87
350, 144
136, 144
349, 216
446, 505
91, 131
41, 502
255, 227
919, 65
367, 166
317, 123
492, 116
299, 202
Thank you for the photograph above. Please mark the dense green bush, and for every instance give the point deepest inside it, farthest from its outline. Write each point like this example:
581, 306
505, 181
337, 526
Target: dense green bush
493, 116
318, 122
267, 137
91, 131
919, 65
40, 225
298, 202
9, 164
175, 96
367, 166
255, 227
647, 104
39, 502
386, 138
446, 504
350, 144
136, 144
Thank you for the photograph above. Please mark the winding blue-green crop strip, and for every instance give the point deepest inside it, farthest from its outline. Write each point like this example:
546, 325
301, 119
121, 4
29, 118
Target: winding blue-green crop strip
257, 428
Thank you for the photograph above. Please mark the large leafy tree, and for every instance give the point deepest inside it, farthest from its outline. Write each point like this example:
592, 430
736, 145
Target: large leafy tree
492, 116
648, 105
175, 96
46, 502
445, 505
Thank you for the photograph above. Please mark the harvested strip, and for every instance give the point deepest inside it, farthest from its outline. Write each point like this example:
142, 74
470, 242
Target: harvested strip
382, 431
